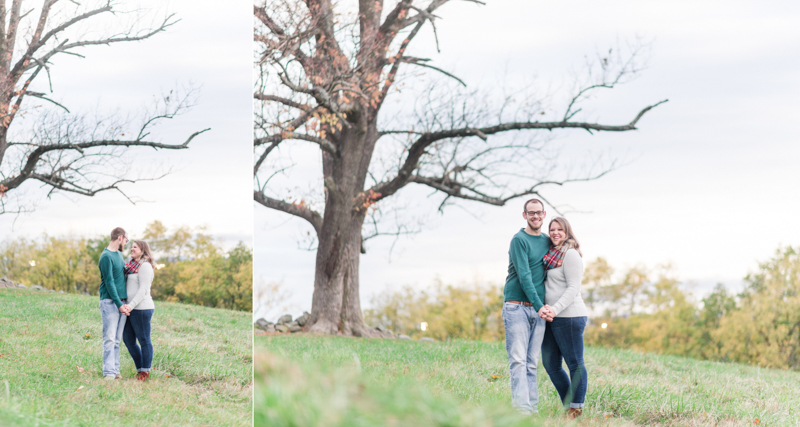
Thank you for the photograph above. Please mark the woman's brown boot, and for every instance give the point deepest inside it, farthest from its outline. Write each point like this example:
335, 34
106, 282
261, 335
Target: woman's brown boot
143, 376
573, 413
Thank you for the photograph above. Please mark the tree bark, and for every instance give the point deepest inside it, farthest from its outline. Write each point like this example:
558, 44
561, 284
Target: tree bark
335, 305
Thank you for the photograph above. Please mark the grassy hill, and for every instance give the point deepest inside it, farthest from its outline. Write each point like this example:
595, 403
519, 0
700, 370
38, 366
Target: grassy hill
336, 381
51, 366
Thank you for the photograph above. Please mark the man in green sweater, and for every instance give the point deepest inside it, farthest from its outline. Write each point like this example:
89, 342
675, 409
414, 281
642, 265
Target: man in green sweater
524, 312
113, 296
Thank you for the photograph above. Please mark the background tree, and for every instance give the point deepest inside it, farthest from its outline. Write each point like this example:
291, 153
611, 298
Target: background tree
58, 263
269, 296
448, 312
205, 275
764, 328
596, 276
626, 296
65, 152
194, 269
326, 76
716, 305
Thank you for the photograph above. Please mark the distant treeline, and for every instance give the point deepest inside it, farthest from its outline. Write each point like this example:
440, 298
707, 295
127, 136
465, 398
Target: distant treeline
447, 312
192, 268
643, 309
760, 325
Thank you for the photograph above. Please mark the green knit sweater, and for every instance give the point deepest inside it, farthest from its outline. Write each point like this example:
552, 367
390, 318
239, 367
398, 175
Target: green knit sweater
112, 277
525, 281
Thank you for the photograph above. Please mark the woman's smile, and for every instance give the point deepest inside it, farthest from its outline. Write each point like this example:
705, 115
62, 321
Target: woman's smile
135, 251
557, 234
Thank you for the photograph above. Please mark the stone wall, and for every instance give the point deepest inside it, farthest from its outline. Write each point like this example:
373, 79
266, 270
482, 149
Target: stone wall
6, 283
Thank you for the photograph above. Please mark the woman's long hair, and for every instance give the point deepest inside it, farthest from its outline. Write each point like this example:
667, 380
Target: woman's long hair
573, 242
147, 255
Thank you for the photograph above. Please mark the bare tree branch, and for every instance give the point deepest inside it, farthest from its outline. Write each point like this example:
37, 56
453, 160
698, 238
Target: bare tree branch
324, 144
422, 63
419, 147
67, 152
298, 210
284, 101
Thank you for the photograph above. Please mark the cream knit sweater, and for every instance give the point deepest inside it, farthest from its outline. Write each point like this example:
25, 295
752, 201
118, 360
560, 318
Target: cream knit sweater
563, 287
138, 287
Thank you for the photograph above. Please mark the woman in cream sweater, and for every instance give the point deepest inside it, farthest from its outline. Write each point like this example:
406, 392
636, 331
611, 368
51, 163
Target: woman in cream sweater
563, 335
140, 307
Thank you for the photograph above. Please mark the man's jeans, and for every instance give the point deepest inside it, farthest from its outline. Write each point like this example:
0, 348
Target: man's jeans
524, 334
138, 328
113, 325
563, 338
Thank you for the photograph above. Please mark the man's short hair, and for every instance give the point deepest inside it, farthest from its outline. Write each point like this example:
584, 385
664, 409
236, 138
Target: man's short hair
115, 233
525, 207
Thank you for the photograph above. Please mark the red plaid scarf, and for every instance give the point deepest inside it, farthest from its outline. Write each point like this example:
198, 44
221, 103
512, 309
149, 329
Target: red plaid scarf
132, 267
555, 256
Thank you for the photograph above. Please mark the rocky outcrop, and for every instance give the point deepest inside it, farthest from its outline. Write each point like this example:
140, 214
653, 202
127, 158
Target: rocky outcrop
283, 325
286, 325
303, 319
384, 332
6, 283
262, 324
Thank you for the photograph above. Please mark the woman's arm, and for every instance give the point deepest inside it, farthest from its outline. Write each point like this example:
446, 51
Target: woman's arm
573, 272
145, 282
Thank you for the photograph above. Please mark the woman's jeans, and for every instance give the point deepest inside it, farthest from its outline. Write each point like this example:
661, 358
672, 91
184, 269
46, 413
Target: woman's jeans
563, 339
524, 332
138, 328
113, 324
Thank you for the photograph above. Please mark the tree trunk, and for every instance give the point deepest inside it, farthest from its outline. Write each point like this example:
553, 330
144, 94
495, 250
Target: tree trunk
335, 305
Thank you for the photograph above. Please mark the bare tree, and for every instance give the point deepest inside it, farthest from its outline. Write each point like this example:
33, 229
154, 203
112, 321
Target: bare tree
269, 296
324, 80
64, 152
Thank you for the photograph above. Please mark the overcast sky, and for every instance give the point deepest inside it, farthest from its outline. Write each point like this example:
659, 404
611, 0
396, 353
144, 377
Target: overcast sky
709, 182
210, 48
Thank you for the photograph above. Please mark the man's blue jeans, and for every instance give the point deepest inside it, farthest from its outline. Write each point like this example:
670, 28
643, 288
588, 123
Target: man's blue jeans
524, 334
138, 328
563, 339
113, 325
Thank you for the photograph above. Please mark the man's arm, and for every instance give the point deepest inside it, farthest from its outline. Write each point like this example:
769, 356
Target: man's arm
519, 258
107, 271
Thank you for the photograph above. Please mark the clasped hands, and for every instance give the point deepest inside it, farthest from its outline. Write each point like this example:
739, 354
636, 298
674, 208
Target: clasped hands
547, 313
125, 309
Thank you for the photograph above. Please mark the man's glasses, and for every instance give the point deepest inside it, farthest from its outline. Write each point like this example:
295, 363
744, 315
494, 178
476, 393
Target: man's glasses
537, 213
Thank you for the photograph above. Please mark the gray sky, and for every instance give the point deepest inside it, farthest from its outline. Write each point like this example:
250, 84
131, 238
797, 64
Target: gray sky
210, 47
710, 177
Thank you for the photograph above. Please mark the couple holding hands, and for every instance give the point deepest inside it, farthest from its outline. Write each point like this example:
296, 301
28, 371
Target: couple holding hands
126, 306
544, 312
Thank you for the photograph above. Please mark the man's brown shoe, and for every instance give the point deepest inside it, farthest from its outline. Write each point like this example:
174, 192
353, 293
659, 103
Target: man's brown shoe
118, 377
143, 376
573, 413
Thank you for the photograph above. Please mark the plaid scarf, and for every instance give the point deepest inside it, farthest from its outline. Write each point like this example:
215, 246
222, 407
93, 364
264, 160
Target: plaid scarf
132, 267
555, 256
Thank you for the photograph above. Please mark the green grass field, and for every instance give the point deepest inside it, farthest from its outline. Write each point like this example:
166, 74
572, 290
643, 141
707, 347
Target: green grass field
335, 381
51, 366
